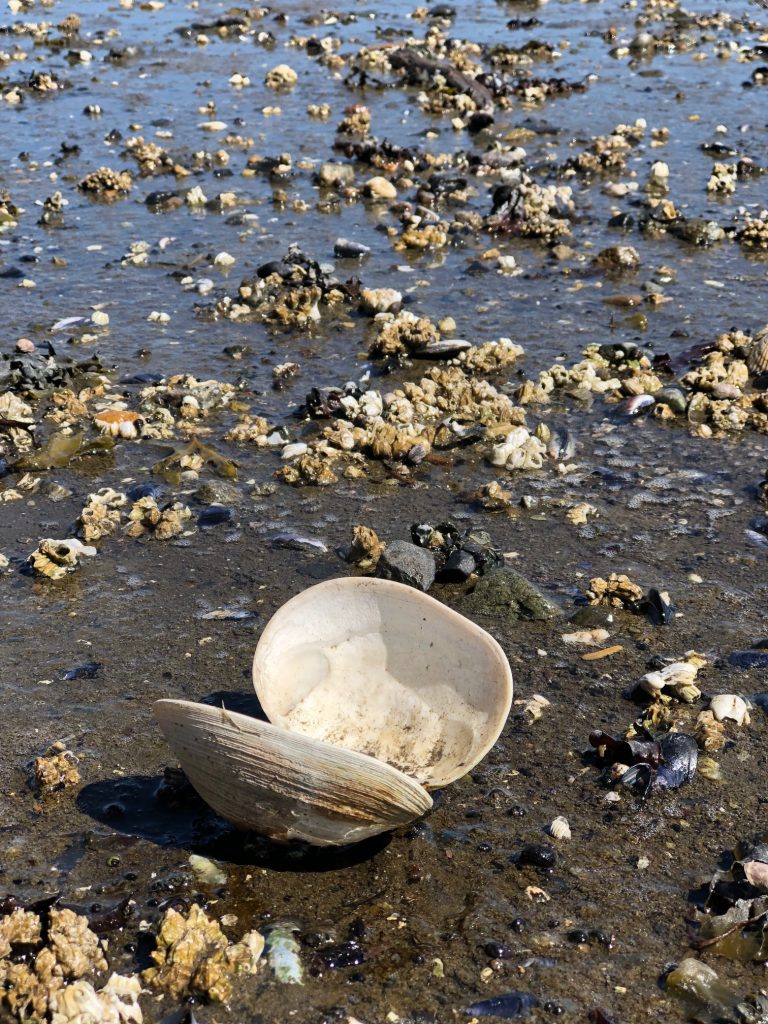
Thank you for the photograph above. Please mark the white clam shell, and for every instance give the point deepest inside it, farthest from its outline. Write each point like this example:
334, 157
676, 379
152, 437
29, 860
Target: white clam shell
375, 691
383, 669
559, 828
285, 785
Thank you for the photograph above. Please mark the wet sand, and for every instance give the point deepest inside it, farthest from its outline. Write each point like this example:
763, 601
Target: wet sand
425, 905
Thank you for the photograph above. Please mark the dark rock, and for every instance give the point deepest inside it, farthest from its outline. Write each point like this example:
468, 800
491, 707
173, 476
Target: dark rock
215, 515
591, 616
406, 563
507, 1006
748, 659
163, 202
505, 592
538, 855
479, 120
146, 490
345, 248
459, 567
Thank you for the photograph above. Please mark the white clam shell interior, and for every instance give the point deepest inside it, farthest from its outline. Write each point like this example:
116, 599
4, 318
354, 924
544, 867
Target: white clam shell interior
283, 784
382, 669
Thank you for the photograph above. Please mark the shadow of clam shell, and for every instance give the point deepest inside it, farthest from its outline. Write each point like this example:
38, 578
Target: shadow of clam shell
140, 806
166, 810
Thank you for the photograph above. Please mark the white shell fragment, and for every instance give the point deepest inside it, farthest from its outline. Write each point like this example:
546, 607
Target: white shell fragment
677, 678
207, 872
590, 637
729, 705
376, 691
283, 953
559, 828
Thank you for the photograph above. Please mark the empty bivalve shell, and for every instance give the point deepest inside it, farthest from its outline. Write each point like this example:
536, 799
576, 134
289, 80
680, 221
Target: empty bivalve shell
375, 692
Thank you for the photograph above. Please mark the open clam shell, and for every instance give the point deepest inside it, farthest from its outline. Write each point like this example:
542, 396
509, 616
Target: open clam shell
382, 669
375, 691
283, 784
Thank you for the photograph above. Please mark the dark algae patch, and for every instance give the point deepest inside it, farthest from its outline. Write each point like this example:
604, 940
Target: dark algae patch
471, 296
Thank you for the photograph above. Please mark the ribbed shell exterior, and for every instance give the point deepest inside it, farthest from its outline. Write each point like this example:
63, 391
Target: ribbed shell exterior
285, 785
757, 355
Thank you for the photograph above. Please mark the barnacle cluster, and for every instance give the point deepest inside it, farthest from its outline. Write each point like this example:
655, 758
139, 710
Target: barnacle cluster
618, 591
100, 517
146, 517
56, 558
402, 333
31, 988
365, 547
106, 183
9, 212
193, 956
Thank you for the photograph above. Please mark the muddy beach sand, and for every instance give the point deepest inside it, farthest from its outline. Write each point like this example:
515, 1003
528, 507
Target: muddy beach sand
270, 273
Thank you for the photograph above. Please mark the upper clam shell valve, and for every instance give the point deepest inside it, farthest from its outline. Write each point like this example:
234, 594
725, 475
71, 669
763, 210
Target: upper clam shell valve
376, 693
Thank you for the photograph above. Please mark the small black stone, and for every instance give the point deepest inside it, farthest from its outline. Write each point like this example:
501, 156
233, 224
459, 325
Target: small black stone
538, 855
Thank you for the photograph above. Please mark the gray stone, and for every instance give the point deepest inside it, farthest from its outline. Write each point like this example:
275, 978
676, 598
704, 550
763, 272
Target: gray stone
217, 492
506, 593
407, 563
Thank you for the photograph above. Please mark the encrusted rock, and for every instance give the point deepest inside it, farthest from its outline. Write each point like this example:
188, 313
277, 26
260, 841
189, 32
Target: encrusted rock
380, 188
618, 591
281, 77
309, 469
380, 300
80, 1003
757, 354
506, 593
57, 769
331, 174
493, 497
101, 516
107, 183
29, 987
710, 734
365, 548
8, 211
250, 430
618, 258
21, 927
518, 449
402, 334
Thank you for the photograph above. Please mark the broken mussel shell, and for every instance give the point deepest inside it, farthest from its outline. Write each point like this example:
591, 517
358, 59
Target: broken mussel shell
375, 693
